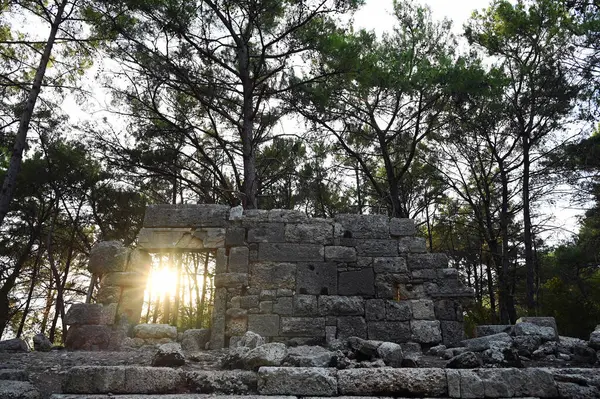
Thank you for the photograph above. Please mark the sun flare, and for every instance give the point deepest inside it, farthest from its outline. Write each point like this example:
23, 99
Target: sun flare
162, 282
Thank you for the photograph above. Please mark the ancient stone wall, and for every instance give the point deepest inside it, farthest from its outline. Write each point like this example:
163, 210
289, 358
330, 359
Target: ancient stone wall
293, 278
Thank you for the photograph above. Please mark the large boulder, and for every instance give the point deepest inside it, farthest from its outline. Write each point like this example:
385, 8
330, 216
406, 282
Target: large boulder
595, 338
249, 340
391, 354
466, 360
530, 329
194, 340
13, 345
169, 355
41, 343
90, 337
107, 257
91, 313
271, 354
548, 322
483, 343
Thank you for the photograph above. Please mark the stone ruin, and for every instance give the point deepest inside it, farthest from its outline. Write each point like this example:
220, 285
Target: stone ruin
285, 276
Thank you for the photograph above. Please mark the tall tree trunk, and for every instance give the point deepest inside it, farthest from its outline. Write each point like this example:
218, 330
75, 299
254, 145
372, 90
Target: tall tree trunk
507, 297
10, 179
490, 283
247, 128
527, 236
358, 190
32, 285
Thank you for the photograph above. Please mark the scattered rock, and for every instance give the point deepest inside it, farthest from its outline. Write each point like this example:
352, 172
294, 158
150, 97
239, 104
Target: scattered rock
250, 340
483, 343
530, 329
362, 348
450, 353
527, 344
391, 354
491, 329
271, 354
595, 338
169, 355
548, 322
466, 360
411, 360
227, 382
502, 354
13, 345
195, 340
41, 343
10, 389
309, 356
437, 350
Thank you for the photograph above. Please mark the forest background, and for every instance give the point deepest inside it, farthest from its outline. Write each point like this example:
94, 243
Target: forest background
479, 137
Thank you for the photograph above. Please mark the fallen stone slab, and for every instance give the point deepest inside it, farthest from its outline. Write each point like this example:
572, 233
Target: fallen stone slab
13, 375
309, 356
393, 382
122, 380
491, 329
530, 329
239, 382
482, 343
10, 389
301, 381
549, 322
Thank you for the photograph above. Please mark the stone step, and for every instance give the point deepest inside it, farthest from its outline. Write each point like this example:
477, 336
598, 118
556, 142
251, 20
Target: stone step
11, 389
211, 396
292, 382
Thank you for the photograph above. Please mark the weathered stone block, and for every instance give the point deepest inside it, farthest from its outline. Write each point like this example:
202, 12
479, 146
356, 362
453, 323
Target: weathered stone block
91, 313
398, 310
360, 282
363, 226
395, 264
340, 254
314, 233
402, 227
317, 278
236, 321
217, 330
375, 309
341, 305
139, 262
266, 325
426, 332
10, 389
391, 331
422, 309
490, 329
424, 274
303, 326
186, 215
221, 261
351, 326
305, 305
132, 302
170, 239
235, 237
427, 261
107, 257
266, 232
284, 306
448, 309
238, 260
398, 382
286, 216
412, 244
155, 331
453, 332
283, 252
482, 343
231, 280
284, 292
212, 237
88, 337
541, 322
194, 340
370, 247
387, 285
512, 382
272, 275
223, 382
107, 294
301, 381
249, 301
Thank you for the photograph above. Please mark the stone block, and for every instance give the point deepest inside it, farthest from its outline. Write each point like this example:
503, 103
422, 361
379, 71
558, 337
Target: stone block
273, 275
375, 309
391, 331
212, 237
470, 385
107, 295
217, 330
284, 292
396, 382
284, 252
482, 343
124, 279
512, 382
13, 389
301, 381
351, 326
422, 309
412, 244
394, 264
426, 332
302, 326
169, 239
155, 331
238, 260
253, 216
267, 232
194, 340
88, 337
398, 310
453, 332
107, 257
363, 262
448, 309
91, 313
249, 301
370, 247
221, 261
140, 261
310, 233
222, 382
363, 226
286, 216
266, 325
541, 322
387, 285
530, 329
305, 305
340, 254
186, 215
235, 237
360, 282
317, 278
231, 280
236, 321
427, 261
268, 295
402, 227
332, 305
284, 306
132, 302
424, 274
